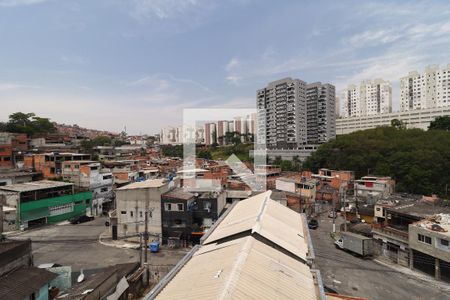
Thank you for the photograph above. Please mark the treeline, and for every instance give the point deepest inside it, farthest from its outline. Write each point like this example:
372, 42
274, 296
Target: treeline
418, 160
27, 123
87, 145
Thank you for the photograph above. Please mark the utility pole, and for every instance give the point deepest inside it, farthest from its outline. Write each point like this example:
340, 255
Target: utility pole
147, 271
2, 202
334, 214
140, 250
345, 209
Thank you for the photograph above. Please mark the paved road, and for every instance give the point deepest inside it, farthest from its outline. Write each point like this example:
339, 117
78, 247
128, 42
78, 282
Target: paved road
75, 245
354, 276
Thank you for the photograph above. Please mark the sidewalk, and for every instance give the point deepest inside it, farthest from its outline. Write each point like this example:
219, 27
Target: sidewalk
415, 274
106, 240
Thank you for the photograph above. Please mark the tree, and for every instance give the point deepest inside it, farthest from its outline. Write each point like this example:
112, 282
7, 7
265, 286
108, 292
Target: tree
417, 160
440, 123
396, 123
28, 123
286, 165
102, 140
296, 163
172, 150
277, 160
204, 154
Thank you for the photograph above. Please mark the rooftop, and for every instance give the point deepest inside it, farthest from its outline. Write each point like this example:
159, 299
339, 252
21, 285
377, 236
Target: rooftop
179, 193
65, 154
10, 244
34, 186
150, 183
244, 268
15, 173
298, 180
420, 208
23, 282
437, 223
189, 171
261, 215
81, 162
95, 279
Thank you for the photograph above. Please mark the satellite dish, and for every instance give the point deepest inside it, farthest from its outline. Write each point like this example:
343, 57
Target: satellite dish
81, 276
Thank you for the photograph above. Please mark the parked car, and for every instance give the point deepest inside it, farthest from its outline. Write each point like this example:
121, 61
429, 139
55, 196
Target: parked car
313, 224
80, 219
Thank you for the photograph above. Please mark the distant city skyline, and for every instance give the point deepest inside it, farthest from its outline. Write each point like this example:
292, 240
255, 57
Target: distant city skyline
138, 63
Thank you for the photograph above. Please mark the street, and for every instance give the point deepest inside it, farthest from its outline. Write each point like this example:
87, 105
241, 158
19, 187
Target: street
76, 246
354, 276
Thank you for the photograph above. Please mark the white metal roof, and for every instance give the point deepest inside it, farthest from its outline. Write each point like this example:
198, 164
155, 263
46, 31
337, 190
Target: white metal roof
268, 218
244, 268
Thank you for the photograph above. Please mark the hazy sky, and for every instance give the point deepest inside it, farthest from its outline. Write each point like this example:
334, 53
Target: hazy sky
108, 63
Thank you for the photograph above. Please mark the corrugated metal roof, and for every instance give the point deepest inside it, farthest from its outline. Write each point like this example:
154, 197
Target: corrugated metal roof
244, 268
150, 183
268, 218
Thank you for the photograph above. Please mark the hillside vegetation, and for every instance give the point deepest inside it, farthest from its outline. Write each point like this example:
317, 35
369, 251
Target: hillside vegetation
418, 160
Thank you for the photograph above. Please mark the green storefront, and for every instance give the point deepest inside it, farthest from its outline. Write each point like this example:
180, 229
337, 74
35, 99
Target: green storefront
56, 209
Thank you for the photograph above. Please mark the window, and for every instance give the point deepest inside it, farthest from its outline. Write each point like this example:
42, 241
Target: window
123, 212
7, 158
168, 206
207, 205
131, 213
180, 206
61, 209
140, 214
424, 239
444, 242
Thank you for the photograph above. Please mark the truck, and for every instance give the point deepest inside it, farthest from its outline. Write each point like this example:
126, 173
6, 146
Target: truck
355, 243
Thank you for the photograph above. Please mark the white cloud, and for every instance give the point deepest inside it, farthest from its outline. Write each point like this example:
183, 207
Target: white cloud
232, 64
233, 79
374, 38
8, 86
162, 9
11, 3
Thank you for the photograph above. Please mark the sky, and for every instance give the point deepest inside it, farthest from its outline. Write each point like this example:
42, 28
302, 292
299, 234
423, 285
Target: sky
107, 64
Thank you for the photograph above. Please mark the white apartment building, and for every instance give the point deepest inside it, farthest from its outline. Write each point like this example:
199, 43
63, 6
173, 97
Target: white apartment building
321, 112
251, 124
171, 135
200, 135
419, 118
222, 128
240, 125
369, 98
282, 114
427, 90
210, 133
